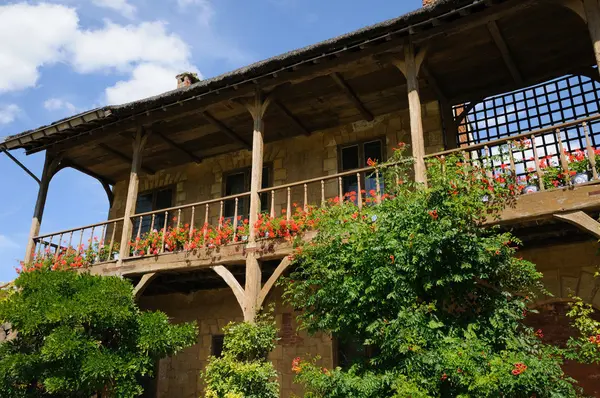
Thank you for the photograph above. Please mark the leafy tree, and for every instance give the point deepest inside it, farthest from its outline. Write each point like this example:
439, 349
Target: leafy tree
244, 371
437, 297
80, 335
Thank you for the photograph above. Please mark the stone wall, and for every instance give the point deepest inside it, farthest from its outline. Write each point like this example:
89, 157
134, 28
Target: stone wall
179, 376
568, 270
292, 160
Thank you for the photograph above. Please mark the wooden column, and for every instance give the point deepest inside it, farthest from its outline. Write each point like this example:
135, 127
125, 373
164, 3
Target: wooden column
139, 141
592, 12
253, 271
410, 67
50, 168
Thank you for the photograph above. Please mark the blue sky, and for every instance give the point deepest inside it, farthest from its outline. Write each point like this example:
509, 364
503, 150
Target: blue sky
59, 57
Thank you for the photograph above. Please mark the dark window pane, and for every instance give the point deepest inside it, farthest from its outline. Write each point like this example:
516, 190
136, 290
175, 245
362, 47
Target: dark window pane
349, 352
350, 158
373, 151
164, 199
350, 184
235, 184
144, 203
216, 346
152, 201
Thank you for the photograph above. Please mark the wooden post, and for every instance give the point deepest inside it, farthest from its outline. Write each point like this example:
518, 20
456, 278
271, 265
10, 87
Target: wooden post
139, 142
410, 67
50, 168
592, 12
253, 271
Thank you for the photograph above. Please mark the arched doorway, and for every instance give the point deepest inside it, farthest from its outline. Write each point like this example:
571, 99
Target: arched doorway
556, 327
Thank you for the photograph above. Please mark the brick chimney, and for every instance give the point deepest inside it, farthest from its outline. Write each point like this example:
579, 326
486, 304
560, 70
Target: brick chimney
186, 79
427, 3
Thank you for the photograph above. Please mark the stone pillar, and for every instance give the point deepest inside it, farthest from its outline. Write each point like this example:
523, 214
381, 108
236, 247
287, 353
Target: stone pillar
139, 142
50, 168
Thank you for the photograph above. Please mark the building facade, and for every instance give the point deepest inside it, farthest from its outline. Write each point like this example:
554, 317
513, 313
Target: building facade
479, 77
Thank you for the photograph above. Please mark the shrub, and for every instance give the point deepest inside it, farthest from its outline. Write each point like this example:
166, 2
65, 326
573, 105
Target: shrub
438, 295
80, 335
244, 371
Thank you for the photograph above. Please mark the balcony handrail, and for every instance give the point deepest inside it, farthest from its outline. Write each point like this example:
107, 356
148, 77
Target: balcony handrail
318, 179
527, 135
263, 190
190, 205
66, 231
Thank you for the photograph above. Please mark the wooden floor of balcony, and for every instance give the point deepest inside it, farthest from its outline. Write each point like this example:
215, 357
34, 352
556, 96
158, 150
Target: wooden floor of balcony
227, 255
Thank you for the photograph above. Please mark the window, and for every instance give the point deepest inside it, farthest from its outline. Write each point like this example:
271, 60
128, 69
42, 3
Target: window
350, 351
355, 157
216, 345
238, 182
151, 201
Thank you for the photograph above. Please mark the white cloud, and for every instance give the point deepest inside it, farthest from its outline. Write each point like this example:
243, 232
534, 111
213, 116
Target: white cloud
143, 51
147, 79
8, 113
57, 104
205, 9
7, 243
120, 6
27, 41
120, 47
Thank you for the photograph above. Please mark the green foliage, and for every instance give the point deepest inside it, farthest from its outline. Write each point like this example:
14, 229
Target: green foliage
440, 297
79, 335
244, 371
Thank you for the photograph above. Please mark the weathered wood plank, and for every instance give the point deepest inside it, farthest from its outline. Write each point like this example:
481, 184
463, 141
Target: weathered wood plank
543, 205
581, 220
339, 80
505, 52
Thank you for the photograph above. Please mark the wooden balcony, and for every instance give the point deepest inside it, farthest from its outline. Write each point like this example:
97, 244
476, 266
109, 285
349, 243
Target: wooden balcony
97, 243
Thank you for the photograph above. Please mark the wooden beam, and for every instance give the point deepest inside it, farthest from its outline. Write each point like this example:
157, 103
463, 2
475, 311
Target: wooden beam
109, 193
179, 147
51, 165
283, 109
474, 20
229, 132
592, 12
266, 289
253, 271
139, 142
81, 169
143, 284
434, 84
417, 139
124, 157
339, 80
505, 52
233, 283
581, 220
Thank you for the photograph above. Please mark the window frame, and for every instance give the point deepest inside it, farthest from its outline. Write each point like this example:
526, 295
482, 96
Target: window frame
361, 151
361, 158
154, 192
247, 171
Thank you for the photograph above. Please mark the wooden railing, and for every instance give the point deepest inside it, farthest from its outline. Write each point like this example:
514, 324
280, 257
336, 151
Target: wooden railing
95, 243
531, 153
523, 155
185, 218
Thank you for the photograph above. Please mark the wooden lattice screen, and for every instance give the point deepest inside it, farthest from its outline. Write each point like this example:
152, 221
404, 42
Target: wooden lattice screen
561, 100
